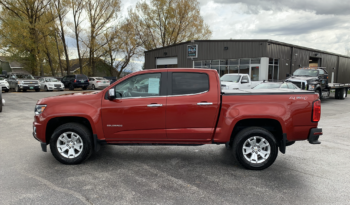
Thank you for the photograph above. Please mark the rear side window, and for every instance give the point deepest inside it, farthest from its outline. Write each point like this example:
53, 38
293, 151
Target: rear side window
189, 83
81, 77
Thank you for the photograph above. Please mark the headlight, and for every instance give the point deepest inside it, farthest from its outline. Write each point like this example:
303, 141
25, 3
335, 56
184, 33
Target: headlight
39, 109
6, 83
311, 87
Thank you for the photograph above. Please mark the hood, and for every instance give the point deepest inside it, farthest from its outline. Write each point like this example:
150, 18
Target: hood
68, 97
228, 83
301, 78
22, 79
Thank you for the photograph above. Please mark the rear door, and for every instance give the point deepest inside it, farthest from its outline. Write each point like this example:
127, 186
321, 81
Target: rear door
192, 105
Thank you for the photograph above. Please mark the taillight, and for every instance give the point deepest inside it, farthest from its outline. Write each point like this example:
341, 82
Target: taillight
75, 80
316, 111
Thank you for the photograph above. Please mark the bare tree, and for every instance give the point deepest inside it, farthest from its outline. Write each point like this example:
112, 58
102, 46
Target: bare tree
77, 9
62, 8
100, 14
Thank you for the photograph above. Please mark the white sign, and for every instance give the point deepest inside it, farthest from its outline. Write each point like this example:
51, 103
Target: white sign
153, 85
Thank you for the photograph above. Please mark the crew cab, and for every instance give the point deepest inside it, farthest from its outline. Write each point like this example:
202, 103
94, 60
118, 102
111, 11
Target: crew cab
179, 107
237, 81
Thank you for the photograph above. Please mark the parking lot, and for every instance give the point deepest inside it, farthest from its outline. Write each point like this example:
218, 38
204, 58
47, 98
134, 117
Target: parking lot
306, 174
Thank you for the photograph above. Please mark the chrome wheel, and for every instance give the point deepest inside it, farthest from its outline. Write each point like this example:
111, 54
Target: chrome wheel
16, 89
256, 149
69, 145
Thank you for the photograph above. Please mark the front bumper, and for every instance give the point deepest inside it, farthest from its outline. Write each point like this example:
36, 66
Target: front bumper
29, 87
314, 135
5, 87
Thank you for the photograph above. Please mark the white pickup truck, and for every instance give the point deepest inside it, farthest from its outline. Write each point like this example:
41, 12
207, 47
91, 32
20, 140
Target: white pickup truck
237, 81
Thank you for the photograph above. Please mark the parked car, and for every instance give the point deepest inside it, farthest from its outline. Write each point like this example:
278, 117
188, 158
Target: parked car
98, 82
277, 85
4, 84
23, 82
237, 81
181, 107
75, 81
50, 84
111, 79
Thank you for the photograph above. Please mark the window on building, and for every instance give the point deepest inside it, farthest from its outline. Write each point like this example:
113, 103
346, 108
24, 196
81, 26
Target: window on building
244, 69
255, 61
254, 74
273, 70
244, 61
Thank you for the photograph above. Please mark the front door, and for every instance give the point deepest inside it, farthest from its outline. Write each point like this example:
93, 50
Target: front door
192, 106
138, 113
245, 85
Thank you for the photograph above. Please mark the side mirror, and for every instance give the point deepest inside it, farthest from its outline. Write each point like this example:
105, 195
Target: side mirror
287, 75
111, 94
244, 81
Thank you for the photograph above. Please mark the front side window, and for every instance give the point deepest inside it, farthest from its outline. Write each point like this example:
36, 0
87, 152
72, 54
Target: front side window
189, 83
143, 85
245, 78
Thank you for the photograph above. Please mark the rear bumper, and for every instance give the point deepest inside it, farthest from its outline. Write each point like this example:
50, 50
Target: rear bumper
314, 135
80, 85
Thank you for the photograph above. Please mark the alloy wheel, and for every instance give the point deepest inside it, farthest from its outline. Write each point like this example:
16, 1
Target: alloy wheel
256, 149
69, 145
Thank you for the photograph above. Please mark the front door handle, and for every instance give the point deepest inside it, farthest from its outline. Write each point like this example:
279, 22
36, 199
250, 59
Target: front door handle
204, 103
155, 105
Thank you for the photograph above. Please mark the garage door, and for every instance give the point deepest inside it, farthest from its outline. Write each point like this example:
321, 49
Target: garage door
170, 62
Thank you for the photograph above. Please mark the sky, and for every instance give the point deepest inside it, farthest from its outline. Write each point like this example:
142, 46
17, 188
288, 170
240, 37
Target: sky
319, 24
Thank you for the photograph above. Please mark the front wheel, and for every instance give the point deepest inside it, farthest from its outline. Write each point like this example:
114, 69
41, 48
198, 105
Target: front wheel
17, 89
71, 87
93, 87
71, 143
255, 148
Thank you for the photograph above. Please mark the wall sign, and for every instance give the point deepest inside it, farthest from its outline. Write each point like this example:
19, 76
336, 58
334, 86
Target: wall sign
192, 51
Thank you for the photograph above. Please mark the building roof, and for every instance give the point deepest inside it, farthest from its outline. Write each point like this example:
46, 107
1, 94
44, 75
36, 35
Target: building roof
13, 64
254, 40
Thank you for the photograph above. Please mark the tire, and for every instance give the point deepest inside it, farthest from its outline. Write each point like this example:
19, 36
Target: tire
342, 93
319, 92
245, 138
0, 100
45, 88
71, 87
85, 87
17, 89
93, 87
58, 144
228, 145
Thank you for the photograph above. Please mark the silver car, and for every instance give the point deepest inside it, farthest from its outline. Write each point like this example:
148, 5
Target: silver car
50, 84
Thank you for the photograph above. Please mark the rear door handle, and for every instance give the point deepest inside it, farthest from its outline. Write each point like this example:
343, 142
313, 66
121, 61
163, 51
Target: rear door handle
155, 105
204, 103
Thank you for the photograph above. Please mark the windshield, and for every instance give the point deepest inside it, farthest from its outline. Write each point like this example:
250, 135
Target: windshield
306, 72
231, 78
24, 76
267, 86
51, 80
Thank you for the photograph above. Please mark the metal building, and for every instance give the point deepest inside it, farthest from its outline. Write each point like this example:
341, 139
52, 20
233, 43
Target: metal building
262, 59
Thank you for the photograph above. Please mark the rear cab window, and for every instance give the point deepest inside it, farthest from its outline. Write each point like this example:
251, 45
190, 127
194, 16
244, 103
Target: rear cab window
189, 83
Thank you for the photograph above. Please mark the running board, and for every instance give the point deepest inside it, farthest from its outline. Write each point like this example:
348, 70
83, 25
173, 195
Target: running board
152, 144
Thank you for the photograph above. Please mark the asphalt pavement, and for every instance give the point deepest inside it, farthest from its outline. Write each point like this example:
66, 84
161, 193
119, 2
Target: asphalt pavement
306, 174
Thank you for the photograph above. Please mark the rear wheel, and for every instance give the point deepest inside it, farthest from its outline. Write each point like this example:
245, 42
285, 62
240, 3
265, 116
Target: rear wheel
85, 87
45, 88
71, 87
71, 143
255, 148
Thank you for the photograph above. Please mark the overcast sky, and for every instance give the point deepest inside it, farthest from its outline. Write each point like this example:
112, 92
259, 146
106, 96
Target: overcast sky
320, 24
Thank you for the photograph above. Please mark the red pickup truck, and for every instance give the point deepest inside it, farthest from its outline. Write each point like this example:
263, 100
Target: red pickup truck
177, 107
